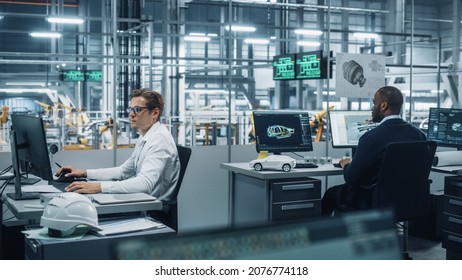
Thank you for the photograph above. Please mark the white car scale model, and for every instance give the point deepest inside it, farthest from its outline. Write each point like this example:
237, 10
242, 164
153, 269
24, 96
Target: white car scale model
284, 163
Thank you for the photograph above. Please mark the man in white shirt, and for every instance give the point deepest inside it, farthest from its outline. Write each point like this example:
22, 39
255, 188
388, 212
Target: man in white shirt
153, 167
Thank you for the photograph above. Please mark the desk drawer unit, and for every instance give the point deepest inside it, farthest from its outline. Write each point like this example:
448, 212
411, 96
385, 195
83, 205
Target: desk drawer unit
452, 217
296, 199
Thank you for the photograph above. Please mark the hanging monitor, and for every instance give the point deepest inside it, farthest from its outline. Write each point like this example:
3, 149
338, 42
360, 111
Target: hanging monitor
445, 127
282, 131
310, 65
284, 67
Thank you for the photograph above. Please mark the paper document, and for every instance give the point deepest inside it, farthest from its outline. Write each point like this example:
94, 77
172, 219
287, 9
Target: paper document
131, 225
114, 198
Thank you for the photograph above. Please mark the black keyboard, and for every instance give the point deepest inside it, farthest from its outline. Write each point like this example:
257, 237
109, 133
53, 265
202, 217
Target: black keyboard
305, 165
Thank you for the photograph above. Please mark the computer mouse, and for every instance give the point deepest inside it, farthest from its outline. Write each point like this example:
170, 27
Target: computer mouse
63, 178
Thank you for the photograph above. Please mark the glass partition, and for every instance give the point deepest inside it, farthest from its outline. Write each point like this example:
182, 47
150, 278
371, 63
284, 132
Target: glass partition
213, 62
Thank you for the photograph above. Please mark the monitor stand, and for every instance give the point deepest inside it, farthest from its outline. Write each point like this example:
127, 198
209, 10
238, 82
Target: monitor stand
23, 196
27, 181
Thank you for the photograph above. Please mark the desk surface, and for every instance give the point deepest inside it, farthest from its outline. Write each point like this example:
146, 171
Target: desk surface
244, 168
23, 209
450, 169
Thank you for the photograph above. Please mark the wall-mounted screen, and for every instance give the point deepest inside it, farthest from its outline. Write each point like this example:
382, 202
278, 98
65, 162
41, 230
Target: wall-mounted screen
310, 65
284, 67
348, 126
445, 127
282, 131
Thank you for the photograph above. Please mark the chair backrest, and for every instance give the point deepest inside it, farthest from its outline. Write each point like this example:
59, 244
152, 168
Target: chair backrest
403, 182
184, 153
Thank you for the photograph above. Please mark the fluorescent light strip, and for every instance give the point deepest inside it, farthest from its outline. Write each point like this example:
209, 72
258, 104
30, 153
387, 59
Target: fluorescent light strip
256, 41
308, 43
196, 38
196, 34
23, 90
41, 84
65, 20
241, 28
308, 32
45, 34
366, 35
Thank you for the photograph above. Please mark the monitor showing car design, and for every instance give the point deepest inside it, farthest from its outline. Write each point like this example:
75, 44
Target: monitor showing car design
282, 131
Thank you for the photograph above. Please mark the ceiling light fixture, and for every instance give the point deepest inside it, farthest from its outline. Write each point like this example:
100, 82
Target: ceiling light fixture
197, 38
308, 32
241, 28
65, 20
46, 34
256, 41
366, 35
308, 43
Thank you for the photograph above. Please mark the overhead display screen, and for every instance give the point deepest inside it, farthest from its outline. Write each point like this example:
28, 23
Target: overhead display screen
310, 65
93, 76
81, 76
73, 76
284, 67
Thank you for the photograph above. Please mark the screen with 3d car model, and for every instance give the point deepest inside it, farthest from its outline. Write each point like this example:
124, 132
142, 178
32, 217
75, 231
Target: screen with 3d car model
282, 131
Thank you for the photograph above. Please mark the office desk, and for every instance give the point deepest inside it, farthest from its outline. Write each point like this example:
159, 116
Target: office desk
259, 197
10, 232
451, 169
21, 211
90, 247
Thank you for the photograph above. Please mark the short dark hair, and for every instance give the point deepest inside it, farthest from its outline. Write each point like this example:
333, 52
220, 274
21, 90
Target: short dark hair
393, 97
153, 98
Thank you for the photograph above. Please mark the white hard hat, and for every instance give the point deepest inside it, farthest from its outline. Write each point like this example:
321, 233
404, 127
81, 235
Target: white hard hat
66, 211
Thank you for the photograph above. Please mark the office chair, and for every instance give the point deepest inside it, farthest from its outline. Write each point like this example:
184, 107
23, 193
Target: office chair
403, 184
169, 213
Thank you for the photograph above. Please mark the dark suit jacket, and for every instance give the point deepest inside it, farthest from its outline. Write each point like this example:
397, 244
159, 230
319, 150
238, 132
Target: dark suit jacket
362, 172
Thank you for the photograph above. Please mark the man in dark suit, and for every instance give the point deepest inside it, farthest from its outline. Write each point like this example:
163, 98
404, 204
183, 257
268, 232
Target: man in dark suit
361, 171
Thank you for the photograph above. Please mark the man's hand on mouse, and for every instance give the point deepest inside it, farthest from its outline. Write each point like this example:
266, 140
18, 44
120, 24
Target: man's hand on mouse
71, 171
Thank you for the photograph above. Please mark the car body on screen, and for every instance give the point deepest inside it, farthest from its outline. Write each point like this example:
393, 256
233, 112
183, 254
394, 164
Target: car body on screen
277, 162
279, 131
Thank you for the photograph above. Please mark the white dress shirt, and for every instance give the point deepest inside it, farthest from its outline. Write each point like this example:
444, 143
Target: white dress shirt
153, 167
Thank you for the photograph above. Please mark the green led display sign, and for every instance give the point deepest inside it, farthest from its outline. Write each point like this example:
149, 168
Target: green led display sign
93, 76
300, 66
81, 76
72, 76
284, 67
309, 65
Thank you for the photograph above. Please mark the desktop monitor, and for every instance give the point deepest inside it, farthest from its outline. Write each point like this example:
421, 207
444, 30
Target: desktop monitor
348, 126
282, 131
29, 150
445, 127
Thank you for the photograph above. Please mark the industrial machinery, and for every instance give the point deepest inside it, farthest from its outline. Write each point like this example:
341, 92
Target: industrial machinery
318, 122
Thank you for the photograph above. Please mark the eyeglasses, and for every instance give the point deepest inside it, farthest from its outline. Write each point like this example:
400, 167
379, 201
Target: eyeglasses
136, 109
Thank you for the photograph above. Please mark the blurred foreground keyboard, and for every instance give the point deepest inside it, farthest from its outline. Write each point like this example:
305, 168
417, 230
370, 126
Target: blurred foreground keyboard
304, 164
